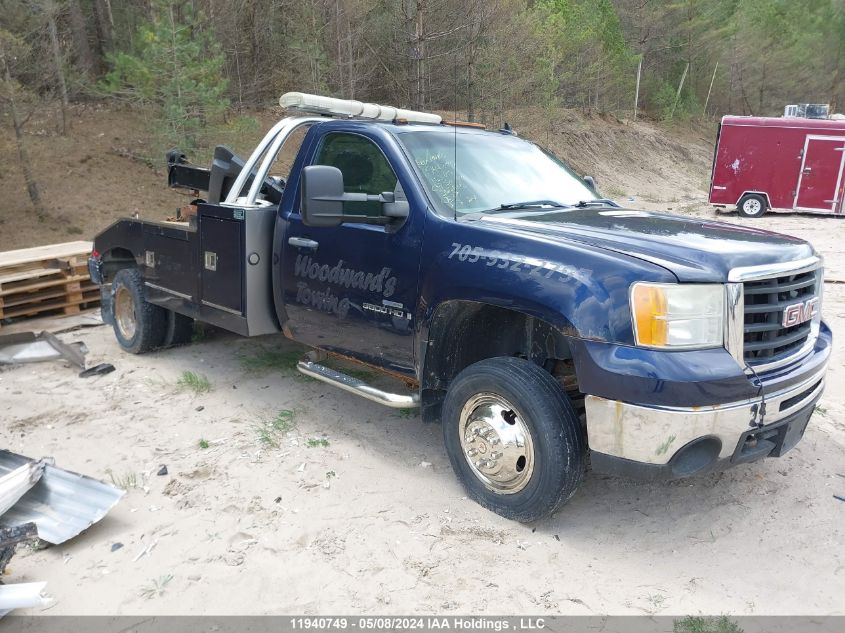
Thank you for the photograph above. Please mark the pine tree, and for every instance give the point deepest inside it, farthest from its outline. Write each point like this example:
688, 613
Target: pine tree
177, 70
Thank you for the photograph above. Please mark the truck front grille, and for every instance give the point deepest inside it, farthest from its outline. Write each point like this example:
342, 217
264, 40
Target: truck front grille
766, 340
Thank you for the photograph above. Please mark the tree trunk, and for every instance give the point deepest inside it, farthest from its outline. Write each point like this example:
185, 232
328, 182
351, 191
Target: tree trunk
84, 55
418, 36
105, 24
23, 156
339, 49
50, 10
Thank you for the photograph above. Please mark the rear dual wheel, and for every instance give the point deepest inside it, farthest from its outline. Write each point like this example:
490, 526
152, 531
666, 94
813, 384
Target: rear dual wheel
513, 438
139, 325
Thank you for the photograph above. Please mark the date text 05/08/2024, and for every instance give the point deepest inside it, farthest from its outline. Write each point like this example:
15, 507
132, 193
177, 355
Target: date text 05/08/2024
418, 623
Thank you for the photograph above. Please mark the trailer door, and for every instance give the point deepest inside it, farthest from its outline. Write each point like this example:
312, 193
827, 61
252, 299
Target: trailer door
820, 179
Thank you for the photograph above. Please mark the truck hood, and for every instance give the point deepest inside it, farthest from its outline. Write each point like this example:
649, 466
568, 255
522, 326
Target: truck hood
693, 250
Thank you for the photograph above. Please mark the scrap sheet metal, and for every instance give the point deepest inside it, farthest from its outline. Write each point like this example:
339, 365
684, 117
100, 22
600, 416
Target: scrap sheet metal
22, 596
61, 504
16, 483
26, 347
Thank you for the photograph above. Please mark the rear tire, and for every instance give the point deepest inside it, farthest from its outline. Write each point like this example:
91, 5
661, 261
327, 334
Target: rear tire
139, 326
513, 438
752, 205
179, 330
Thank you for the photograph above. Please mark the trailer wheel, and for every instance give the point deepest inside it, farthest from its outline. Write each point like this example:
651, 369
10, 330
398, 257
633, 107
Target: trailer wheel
513, 438
752, 205
139, 326
179, 331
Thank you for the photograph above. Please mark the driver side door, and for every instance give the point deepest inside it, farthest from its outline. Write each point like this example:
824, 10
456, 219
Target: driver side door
352, 289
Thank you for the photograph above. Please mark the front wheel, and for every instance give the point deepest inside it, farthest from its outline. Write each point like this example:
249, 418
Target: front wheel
752, 205
513, 438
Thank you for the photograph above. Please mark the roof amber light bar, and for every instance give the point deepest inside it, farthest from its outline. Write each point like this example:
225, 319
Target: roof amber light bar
465, 124
315, 104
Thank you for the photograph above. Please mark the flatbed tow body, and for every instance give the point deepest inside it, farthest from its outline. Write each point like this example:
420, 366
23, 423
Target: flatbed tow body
670, 346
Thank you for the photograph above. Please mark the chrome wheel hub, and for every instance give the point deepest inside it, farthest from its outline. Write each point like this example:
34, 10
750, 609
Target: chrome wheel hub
752, 207
124, 313
496, 443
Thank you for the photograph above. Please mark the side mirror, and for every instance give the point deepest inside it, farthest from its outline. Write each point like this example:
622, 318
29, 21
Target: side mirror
591, 182
322, 196
393, 207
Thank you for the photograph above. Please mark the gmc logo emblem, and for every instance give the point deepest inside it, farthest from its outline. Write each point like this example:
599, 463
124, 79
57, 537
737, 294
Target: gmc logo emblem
800, 312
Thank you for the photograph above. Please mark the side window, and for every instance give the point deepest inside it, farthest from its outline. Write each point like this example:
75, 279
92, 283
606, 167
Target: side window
364, 169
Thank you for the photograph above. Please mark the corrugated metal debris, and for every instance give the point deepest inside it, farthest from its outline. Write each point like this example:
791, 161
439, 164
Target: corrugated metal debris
61, 504
27, 347
16, 483
23, 595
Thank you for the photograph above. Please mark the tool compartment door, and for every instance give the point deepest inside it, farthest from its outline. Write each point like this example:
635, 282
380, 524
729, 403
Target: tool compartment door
820, 179
221, 258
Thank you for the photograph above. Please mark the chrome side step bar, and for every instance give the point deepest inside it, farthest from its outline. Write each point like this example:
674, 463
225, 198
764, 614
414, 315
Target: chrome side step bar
358, 387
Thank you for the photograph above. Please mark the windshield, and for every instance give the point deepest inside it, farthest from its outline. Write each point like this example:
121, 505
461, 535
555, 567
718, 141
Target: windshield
493, 170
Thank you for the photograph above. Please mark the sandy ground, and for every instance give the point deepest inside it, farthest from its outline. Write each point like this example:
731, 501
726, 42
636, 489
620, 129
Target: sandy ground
373, 520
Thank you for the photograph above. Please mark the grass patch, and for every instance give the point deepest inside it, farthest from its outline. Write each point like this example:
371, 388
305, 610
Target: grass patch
124, 481
315, 442
199, 333
156, 587
821, 410
269, 431
408, 413
612, 192
203, 443
198, 383
705, 625
265, 360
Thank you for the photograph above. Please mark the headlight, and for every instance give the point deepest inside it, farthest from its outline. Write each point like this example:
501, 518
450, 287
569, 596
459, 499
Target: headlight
679, 316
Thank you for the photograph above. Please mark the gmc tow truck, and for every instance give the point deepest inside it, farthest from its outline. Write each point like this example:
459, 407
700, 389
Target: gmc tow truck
542, 325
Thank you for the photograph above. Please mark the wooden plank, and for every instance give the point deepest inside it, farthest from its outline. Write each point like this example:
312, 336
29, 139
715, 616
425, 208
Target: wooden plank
27, 274
23, 289
55, 323
90, 299
40, 253
73, 292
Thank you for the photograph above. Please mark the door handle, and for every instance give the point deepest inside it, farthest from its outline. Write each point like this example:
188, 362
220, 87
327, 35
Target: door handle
807, 170
303, 242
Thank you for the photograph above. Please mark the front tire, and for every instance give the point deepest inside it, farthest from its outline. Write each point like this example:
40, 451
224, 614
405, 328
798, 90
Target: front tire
513, 438
752, 205
139, 326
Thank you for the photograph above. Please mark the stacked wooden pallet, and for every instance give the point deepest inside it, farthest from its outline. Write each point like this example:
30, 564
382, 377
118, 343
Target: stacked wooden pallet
46, 280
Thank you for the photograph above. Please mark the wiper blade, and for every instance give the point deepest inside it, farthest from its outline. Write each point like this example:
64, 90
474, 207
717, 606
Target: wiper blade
530, 203
601, 202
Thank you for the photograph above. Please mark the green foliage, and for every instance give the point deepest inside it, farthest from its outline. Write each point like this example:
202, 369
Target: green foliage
269, 431
705, 625
187, 60
585, 59
664, 97
176, 68
198, 383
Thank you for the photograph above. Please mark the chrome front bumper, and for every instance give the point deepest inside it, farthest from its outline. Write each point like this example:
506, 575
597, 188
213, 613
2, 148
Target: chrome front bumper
666, 437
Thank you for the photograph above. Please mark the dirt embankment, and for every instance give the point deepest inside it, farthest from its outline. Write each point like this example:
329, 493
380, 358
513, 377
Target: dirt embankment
97, 172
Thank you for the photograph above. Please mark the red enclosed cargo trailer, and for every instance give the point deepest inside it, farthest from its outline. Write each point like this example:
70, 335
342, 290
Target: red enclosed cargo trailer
789, 164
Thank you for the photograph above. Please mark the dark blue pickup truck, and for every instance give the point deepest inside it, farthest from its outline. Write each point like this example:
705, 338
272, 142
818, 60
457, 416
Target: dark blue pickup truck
544, 326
